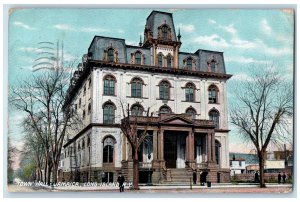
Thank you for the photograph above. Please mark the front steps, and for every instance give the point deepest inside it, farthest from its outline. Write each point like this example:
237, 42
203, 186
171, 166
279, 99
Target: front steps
179, 176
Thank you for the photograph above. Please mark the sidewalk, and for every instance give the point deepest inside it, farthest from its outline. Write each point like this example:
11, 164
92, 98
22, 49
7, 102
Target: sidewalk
165, 187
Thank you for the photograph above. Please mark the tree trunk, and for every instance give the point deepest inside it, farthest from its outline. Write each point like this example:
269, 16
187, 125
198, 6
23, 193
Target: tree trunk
136, 170
49, 174
45, 171
54, 173
261, 170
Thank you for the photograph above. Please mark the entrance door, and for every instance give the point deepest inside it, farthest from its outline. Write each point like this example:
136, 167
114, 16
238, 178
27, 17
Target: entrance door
170, 150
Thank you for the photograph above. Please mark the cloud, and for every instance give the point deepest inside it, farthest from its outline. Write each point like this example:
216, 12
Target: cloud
23, 25
245, 60
186, 27
265, 27
91, 29
212, 40
242, 44
211, 21
120, 31
229, 28
30, 49
64, 27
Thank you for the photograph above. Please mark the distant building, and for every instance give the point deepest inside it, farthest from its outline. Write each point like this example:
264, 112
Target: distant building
237, 166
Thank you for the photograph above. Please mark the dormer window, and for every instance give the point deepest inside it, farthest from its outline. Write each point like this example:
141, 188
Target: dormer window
189, 63
138, 58
110, 54
164, 32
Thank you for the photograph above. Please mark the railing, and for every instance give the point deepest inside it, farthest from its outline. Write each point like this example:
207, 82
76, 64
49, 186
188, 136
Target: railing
201, 165
145, 165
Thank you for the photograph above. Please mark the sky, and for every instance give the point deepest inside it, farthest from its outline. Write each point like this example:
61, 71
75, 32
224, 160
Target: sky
246, 37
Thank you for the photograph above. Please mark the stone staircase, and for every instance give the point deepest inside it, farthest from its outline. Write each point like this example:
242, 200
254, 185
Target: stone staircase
179, 176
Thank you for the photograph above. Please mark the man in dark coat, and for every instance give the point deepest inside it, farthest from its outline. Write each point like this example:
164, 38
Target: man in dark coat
121, 181
279, 178
256, 177
283, 177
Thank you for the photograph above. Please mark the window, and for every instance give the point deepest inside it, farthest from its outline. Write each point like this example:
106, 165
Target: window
109, 85
138, 58
212, 94
79, 103
88, 141
136, 87
214, 116
189, 63
108, 177
109, 113
240, 163
190, 92
137, 110
164, 32
110, 54
160, 59
84, 90
83, 114
169, 61
83, 144
89, 108
213, 66
191, 111
164, 90
108, 150
165, 110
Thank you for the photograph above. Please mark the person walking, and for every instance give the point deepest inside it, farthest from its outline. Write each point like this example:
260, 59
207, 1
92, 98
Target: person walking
279, 178
121, 181
283, 177
256, 177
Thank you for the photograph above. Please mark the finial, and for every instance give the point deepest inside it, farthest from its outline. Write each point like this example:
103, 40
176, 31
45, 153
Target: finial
140, 41
179, 36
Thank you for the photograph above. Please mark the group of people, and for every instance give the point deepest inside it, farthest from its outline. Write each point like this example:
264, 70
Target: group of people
281, 178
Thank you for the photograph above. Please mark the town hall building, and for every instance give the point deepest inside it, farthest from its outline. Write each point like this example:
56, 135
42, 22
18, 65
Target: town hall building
185, 93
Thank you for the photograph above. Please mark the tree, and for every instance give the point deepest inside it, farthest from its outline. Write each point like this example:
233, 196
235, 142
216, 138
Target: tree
130, 130
263, 108
11, 154
42, 98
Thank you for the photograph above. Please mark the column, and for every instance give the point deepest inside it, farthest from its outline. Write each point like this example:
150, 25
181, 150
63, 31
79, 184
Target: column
187, 146
129, 151
192, 146
161, 145
208, 147
155, 133
213, 146
124, 140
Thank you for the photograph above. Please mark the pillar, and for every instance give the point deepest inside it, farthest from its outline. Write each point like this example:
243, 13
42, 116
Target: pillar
208, 145
155, 133
213, 146
161, 145
192, 146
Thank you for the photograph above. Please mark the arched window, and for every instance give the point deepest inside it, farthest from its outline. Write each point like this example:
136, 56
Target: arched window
165, 110
110, 55
189, 63
169, 61
109, 85
109, 113
137, 110
214, 116
212, 94
83, 144
164, 32
164, 90
89, 108
218, 151
190, 92
88, 141
138, 58
136, 87
191, 111
160, 59
108, 150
